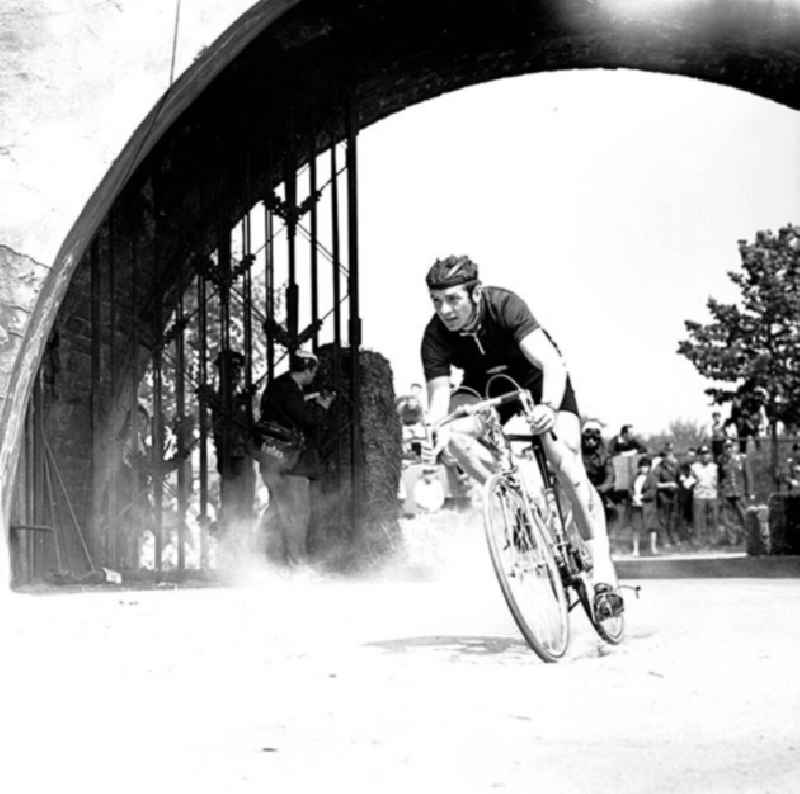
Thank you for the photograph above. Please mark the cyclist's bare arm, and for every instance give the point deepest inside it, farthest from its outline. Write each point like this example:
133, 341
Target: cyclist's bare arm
541, 352
457, 435
563, 447
438, 398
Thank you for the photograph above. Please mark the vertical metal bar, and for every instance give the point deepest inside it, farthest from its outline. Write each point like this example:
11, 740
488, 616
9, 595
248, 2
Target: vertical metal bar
337, 293
312, 189
224, 251
112, 531
175, 40
95, 398
157, 433
225, 391
247, 302
26, 537
290, 183
47, 498
180, 411
135, 533
354, 328
269, 283
202, 378
40, 562
48, 480
112, 305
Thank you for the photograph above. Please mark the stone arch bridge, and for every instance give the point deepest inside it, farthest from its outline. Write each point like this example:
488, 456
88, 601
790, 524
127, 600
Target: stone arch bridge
234, 205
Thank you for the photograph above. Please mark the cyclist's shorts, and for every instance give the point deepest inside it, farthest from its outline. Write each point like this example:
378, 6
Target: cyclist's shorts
568, 402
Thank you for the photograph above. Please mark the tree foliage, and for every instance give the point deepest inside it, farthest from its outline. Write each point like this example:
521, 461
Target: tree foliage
684, 433
751, 347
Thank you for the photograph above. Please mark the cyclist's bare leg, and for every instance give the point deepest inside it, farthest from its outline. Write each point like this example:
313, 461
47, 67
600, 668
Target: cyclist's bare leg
564, 455
473, 457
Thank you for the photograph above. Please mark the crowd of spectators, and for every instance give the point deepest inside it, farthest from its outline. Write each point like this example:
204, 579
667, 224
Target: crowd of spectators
668, 499
664, 499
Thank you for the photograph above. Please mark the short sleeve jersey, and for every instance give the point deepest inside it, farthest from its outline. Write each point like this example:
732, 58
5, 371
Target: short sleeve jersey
505, 320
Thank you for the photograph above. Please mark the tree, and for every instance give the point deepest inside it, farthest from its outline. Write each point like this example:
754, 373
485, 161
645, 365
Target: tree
751, 347
684, 433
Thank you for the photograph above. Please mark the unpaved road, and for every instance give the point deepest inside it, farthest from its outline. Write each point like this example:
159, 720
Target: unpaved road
411, 683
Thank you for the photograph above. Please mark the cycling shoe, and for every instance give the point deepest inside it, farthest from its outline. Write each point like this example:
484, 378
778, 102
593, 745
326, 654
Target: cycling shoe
608, 602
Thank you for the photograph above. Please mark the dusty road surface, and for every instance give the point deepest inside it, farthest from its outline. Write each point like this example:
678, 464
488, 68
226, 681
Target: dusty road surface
413, 682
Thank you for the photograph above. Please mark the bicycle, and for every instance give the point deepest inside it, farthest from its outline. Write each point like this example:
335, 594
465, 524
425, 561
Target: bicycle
541, 563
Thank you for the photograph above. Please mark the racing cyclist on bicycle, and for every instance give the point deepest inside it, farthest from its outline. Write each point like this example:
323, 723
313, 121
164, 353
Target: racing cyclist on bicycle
479, 328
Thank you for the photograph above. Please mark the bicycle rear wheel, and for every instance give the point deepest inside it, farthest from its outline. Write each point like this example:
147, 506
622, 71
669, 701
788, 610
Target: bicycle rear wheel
526, 569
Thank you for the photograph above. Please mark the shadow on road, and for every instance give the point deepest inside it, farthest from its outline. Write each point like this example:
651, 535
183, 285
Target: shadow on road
471, 646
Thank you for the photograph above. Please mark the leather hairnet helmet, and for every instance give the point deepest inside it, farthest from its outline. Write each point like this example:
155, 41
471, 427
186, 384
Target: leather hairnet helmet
452, 271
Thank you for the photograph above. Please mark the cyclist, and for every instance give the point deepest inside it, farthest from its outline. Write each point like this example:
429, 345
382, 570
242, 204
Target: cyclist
479, 328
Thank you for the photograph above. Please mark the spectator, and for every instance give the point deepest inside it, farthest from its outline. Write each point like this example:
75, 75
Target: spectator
706, 510
789, 475
137, 483
625, 441
624, 450
666, 476
748, 413
686, 484
288, 423
597, 463
411, 406
718, 436
735, 481
411, 410
233, 442
595, 458
642, 514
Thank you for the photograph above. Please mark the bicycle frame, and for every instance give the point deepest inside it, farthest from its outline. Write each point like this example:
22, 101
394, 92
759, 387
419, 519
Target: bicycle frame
566, 554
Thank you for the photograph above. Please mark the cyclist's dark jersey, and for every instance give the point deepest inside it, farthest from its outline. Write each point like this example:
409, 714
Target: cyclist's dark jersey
505, 320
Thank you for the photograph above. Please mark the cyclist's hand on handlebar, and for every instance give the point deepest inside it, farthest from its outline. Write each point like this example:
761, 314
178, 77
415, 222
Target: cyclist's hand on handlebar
542, 418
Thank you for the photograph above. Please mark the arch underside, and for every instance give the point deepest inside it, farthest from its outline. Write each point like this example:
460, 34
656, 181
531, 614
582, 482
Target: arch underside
288, 91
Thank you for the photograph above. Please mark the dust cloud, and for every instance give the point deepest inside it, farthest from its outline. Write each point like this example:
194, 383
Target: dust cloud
442, 547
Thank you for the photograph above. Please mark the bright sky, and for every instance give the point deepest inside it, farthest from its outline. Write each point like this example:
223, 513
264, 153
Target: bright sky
610, 200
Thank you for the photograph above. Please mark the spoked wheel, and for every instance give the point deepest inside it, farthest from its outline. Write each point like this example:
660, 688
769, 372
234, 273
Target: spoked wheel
526, 569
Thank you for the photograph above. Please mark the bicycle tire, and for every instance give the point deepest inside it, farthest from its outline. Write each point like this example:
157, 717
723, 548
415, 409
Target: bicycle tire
540, 569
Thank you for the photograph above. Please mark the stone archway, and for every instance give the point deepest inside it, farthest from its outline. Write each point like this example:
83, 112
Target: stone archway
278, 81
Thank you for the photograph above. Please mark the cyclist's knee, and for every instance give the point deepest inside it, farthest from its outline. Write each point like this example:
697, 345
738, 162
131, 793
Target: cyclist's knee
460, 446
568, 469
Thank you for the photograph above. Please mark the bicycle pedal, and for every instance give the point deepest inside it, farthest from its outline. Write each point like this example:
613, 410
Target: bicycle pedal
637, 588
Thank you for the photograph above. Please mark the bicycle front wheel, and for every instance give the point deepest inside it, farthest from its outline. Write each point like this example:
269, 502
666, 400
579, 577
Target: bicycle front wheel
522, 556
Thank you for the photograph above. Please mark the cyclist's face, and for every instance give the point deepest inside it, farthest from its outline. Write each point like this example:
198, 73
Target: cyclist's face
454, 306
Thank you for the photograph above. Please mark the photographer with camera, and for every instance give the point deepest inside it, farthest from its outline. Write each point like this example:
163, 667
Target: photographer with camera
289, 459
